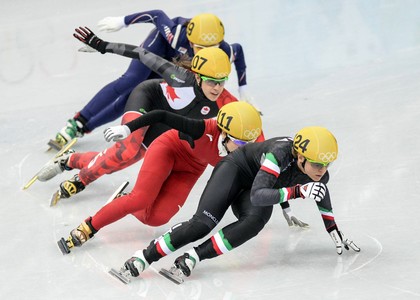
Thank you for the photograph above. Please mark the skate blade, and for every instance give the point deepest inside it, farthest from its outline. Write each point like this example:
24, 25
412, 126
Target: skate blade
171, 276
55, 198
120, 189
122, 275
54, 145
62, 148
62, 244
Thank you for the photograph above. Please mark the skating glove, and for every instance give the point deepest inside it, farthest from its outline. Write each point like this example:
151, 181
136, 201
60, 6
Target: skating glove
245, 96
111, 24
116, 133
291, 219
314, 190
340, 242
86, 36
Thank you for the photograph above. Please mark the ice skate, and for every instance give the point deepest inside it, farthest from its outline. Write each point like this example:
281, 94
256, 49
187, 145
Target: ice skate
123, 275
67, 147
132, 268
67, 189
55, 167
77, 238
119, 192
73, 129
181, 268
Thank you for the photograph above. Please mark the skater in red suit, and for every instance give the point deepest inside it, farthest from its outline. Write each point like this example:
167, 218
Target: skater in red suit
197, 93
172, 165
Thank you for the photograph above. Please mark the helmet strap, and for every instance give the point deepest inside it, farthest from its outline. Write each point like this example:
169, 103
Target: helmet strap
200, 81
223, 150
302, 165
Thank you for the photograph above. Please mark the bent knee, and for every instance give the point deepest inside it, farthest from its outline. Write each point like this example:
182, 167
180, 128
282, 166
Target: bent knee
254, 223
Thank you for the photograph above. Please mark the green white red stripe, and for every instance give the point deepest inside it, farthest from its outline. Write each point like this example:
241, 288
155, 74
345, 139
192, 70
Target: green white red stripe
164, 246
284, 195
220, 244
326, 214
270, 165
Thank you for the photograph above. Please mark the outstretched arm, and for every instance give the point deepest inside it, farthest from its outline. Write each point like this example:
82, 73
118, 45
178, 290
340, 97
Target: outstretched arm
192, 127
154, 62
168, 28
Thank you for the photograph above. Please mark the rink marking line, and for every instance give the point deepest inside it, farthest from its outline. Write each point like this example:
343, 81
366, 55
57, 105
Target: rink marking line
373, 258
20, 165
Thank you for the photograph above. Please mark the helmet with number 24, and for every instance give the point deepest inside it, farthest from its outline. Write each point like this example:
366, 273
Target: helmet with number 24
316, 144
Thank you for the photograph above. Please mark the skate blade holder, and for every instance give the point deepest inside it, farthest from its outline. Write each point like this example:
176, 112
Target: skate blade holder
54, 145
119, 190
172, 275
122, 275
55, 198
62, 244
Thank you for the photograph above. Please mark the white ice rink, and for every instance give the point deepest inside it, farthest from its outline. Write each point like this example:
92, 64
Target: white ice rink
352, 66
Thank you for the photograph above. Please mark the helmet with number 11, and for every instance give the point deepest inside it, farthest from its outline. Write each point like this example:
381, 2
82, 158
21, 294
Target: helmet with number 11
241, 122
316, 144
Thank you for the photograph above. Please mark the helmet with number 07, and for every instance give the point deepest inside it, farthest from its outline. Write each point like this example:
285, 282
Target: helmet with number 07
205, 30
316, 143
240, 120
211, 62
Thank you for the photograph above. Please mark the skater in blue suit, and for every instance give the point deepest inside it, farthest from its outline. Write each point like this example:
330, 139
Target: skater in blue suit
169, 39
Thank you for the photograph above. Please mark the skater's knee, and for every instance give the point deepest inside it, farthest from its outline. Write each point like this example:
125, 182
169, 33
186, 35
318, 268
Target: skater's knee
253, 224
201, 226
152, 219
190, 231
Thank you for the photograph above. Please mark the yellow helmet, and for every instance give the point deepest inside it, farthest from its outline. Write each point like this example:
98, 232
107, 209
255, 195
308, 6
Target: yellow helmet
205, 30
240, 120
211, 62
317, 144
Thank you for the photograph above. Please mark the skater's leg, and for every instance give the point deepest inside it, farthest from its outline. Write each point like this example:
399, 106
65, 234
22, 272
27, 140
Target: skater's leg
135, 74
109, 113
251, 220
130, 150
222, 188
170, 200
80, 160
117, 157
81, 123
156, 168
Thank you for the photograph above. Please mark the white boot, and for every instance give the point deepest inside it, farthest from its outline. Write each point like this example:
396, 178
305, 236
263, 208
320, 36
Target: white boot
55, 167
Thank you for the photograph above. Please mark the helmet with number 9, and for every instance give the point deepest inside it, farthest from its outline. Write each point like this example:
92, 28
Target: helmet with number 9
211, 62
316, 143
240, 120
205, 30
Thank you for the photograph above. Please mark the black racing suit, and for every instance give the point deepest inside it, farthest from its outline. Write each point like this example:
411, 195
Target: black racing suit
239, 181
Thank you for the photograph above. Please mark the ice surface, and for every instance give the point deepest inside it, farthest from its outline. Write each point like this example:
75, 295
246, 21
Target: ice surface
351, 66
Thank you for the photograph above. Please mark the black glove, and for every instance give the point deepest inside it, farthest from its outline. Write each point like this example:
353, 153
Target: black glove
86, 36
186, 137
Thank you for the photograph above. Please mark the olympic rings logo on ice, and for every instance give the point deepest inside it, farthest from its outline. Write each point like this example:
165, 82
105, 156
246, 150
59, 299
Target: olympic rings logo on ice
252, 134
209, 37
327, 157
